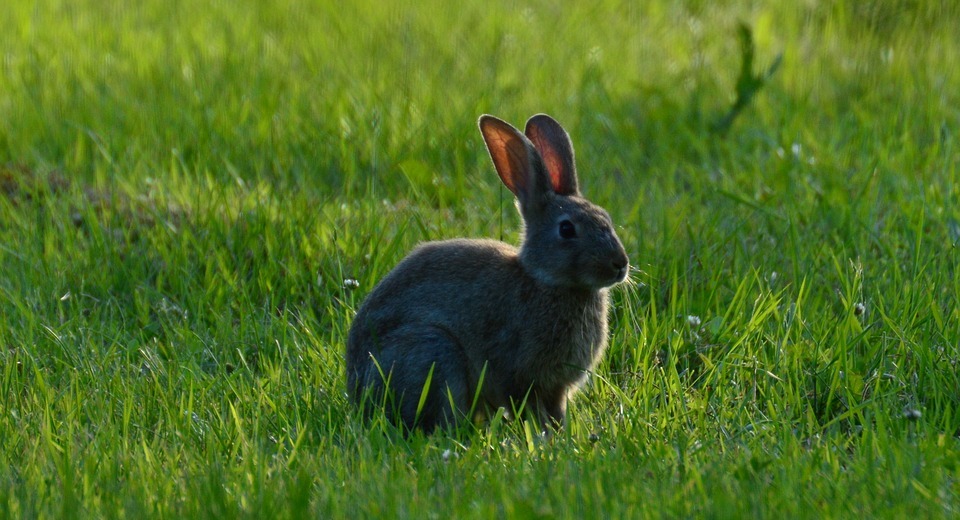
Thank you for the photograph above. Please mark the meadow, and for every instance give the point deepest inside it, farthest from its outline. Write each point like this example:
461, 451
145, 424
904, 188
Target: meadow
195, 197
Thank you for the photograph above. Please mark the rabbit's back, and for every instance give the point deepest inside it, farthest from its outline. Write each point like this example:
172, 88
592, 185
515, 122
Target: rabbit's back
454, 284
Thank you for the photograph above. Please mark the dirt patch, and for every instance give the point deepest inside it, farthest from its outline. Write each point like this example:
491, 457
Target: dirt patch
20, 184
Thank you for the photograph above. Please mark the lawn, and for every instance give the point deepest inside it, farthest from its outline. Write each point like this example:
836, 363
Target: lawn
195, 197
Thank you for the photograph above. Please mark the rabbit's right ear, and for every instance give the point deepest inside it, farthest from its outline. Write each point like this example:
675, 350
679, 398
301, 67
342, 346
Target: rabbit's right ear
511, 153
553, 143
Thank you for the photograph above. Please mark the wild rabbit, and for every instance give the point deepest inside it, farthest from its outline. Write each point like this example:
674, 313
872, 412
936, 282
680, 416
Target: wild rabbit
474, 324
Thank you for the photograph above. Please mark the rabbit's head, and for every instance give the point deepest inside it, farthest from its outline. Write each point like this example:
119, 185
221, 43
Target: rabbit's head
568, 241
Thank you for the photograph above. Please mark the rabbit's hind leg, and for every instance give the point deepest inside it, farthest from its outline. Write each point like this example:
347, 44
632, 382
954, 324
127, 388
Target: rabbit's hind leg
428, 376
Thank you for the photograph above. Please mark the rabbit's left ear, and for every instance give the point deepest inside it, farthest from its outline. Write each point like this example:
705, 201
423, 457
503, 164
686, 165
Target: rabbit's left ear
553, 143
512, 155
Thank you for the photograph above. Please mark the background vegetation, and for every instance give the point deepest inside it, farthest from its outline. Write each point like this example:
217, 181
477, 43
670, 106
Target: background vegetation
188, 189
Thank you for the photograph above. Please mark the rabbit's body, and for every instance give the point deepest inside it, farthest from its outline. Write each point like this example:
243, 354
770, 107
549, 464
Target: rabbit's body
481, 318
536, 347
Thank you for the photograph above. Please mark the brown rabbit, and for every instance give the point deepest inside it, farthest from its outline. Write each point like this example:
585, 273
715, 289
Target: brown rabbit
464, 324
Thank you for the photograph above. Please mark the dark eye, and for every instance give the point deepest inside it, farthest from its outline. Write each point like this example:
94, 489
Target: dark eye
567, 229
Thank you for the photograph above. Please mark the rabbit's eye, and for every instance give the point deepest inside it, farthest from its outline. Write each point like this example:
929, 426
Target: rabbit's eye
567, 229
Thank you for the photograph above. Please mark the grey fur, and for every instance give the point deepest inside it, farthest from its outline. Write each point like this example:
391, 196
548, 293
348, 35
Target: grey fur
530, 321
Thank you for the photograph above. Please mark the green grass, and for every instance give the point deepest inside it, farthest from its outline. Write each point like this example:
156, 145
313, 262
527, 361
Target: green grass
184, 188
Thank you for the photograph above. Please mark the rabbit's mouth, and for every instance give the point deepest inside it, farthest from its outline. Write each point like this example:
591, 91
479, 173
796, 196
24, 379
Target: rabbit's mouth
609, 276
619, 267
618, 276
621, 274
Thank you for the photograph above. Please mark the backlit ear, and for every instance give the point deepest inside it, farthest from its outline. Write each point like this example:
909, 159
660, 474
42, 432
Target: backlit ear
553, 143
509, 152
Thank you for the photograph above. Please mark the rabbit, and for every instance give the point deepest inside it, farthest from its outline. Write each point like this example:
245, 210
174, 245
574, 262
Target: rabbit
472, 326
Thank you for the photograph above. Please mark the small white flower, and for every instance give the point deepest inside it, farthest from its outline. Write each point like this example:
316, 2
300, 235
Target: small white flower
449, 454
693, 321
859, 309
912, 414
351, 283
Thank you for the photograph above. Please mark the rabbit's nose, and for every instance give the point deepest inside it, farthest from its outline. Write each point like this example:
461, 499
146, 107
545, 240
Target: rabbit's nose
619, 266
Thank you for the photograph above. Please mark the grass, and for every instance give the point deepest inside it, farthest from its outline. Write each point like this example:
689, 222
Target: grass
185, 188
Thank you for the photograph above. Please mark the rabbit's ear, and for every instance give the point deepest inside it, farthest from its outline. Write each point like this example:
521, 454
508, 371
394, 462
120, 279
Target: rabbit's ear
553, 143
511, 153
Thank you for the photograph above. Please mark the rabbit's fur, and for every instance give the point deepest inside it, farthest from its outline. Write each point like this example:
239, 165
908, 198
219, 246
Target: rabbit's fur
524, 325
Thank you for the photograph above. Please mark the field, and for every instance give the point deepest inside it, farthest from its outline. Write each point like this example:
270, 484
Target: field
188, 191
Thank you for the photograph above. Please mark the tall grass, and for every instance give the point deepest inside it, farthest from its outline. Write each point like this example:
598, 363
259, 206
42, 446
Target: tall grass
185, 189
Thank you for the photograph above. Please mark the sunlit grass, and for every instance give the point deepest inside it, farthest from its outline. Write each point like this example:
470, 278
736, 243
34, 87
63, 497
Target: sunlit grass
194, 199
